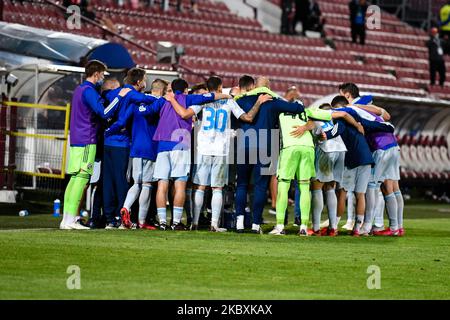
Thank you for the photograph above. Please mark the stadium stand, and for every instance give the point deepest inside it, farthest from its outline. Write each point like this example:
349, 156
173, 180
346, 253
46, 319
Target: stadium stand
393, 61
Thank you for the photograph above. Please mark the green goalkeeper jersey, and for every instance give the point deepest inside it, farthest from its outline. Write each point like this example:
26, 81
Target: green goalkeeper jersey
288, 121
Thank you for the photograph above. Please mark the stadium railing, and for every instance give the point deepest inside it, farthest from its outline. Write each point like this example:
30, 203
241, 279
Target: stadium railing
33, 139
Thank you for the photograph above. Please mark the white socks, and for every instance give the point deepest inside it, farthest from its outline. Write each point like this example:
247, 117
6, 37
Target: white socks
332, 208
371, 203
216, 207
132, 195
350, 207
177, 215
198, 204
68, 219
400, 206
240, 222
392, 210
317, 204
144, 202
359, 221
162, 215
379, 211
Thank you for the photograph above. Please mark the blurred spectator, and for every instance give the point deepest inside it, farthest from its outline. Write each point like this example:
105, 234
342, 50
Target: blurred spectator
445, 21
165, 4
286, 11
308, 13
315, 22
436, 57
194, 6
81, 3
1, 10
358, 9
89, 12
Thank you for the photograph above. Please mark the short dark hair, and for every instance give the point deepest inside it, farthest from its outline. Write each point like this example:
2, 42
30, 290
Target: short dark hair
213, 83
134, 75
94, 66
351, 88
159, 84
246, 81
197, 87
339, 101
179, 85
325, 106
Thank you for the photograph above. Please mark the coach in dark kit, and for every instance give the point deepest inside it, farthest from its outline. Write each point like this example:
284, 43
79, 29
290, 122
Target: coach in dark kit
358, 9
436, 57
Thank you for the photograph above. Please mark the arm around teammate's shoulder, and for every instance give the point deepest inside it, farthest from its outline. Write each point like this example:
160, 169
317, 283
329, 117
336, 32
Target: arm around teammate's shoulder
251, 114
96, 103
280, 106
179, 109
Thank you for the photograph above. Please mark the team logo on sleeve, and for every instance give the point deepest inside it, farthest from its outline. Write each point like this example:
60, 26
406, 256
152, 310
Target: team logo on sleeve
335, 129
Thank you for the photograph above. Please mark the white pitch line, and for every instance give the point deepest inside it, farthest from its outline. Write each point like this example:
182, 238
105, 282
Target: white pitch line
30, 229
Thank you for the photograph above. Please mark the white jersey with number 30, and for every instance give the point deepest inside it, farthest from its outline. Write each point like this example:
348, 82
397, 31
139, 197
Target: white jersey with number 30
214, 135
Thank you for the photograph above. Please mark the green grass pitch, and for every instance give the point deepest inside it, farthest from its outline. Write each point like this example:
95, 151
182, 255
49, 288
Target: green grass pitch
139, 264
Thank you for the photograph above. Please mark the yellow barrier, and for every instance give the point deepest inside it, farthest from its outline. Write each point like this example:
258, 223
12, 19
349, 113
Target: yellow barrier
63, 138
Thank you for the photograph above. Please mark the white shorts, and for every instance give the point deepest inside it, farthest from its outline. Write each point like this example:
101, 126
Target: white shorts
356, 179
211, 171
387, 165
142, 170
173, 164
329, 165
96, 172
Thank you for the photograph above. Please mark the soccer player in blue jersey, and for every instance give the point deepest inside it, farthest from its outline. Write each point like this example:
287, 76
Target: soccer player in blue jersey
386, 170
358, 161
329, 165
213, 146
173, 134
117, 148
199, 88
97, 219
143, 154
350, 96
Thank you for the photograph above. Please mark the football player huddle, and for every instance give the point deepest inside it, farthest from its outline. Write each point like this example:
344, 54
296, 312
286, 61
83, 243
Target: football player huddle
180, 148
